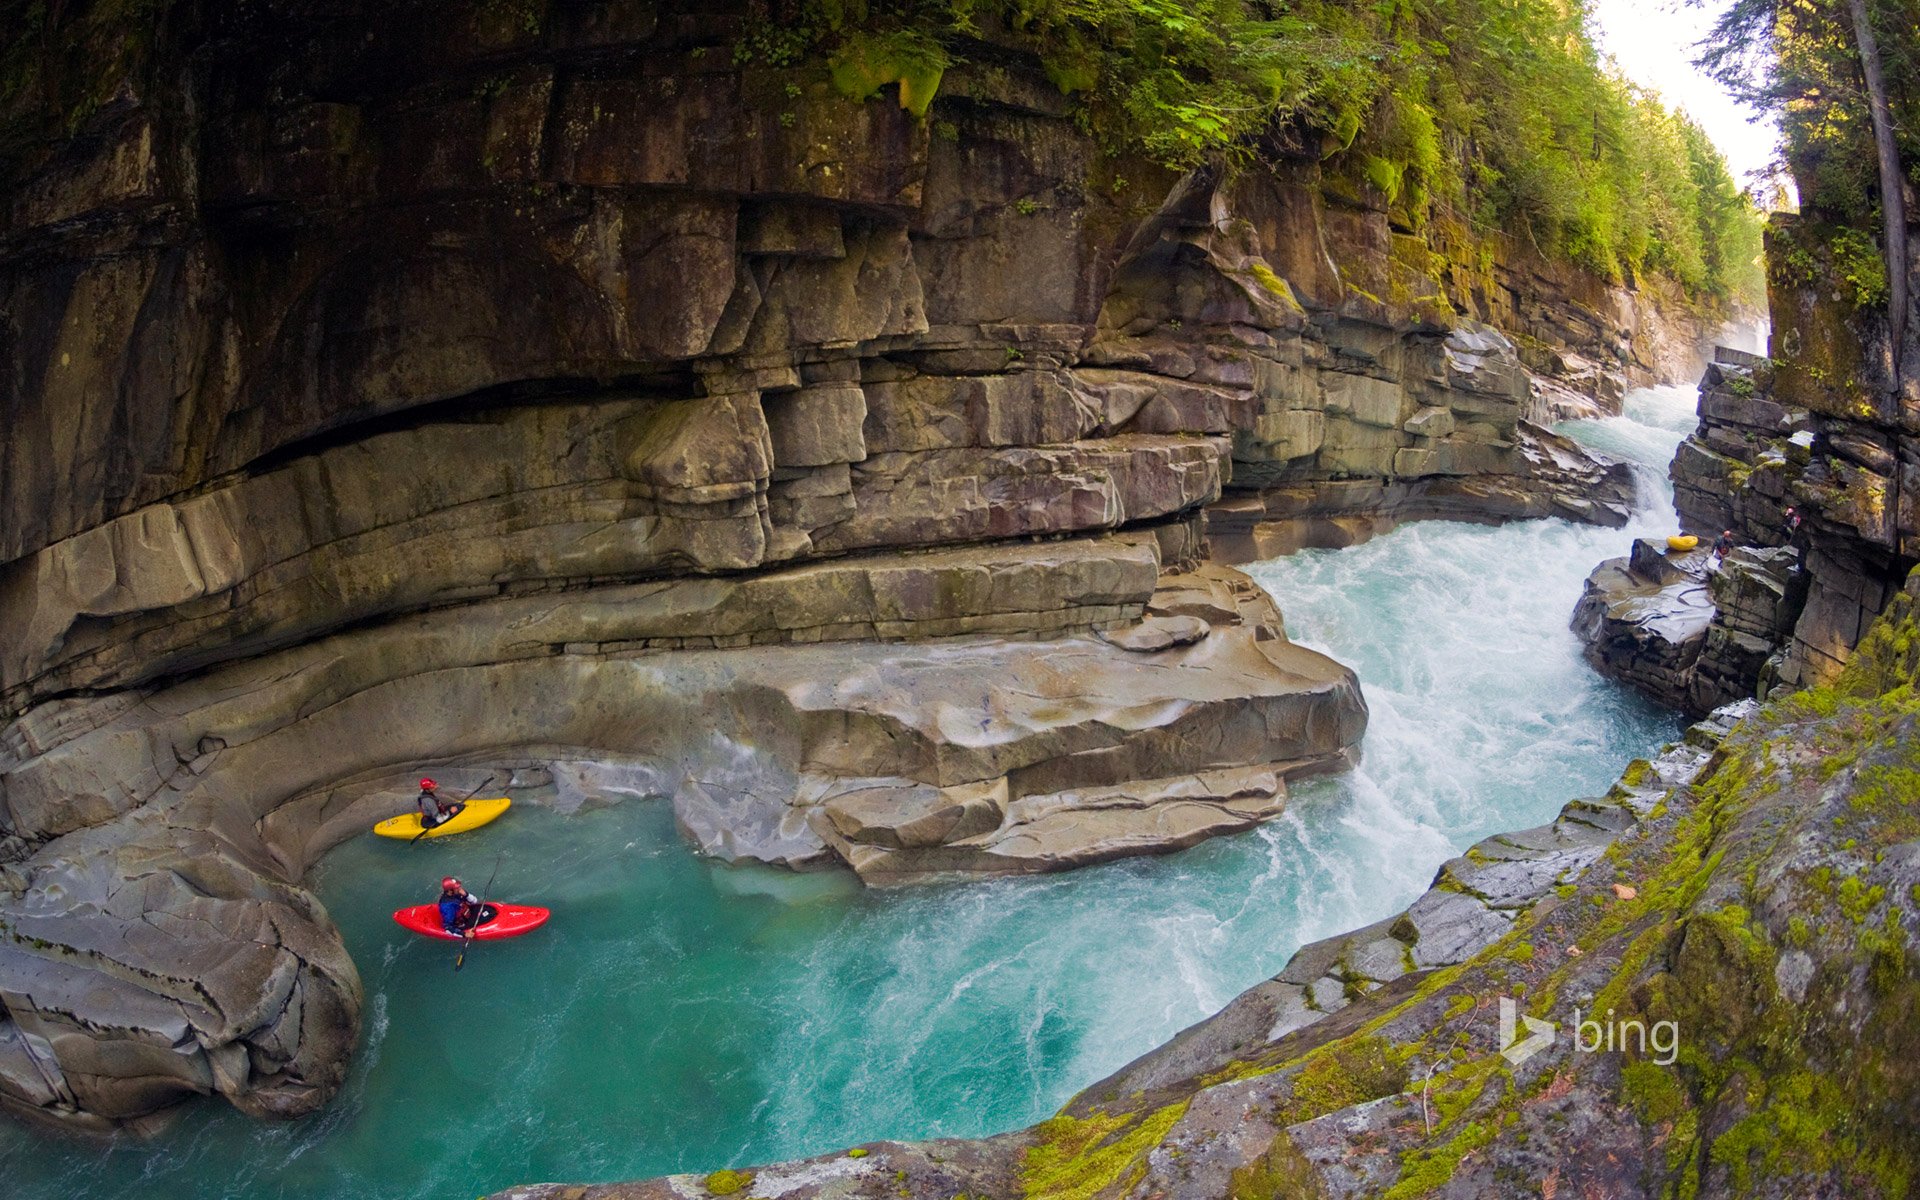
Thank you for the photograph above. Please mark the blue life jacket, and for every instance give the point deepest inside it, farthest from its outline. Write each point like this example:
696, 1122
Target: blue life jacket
450, 907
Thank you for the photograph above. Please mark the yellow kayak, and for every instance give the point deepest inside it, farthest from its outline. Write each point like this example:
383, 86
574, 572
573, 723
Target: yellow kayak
473, 816
1682, 541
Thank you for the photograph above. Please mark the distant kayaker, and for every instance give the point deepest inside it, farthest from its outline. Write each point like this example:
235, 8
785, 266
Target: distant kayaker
461, 912
1790, 520
1722, 546
433, 809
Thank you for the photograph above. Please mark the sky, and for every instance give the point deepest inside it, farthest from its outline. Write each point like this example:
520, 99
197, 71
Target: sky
1653, 41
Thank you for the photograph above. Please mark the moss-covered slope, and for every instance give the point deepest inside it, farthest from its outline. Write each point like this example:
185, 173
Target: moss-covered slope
1747, 956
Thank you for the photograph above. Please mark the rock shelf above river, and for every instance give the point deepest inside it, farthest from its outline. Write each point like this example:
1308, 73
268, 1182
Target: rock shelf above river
157, 922
598, 397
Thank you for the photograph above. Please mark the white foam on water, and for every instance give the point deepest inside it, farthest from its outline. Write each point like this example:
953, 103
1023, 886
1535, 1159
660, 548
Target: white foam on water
680, 1015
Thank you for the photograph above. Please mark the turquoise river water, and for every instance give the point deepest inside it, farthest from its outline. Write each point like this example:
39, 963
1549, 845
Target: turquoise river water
683, 1015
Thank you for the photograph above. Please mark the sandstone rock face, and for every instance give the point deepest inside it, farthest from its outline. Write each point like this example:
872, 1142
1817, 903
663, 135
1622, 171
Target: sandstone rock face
401, 388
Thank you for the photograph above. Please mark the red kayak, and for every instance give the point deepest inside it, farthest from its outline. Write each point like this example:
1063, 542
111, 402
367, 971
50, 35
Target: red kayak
511, 920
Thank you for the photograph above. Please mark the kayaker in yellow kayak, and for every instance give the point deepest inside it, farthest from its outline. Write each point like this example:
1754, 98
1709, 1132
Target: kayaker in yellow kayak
434, 810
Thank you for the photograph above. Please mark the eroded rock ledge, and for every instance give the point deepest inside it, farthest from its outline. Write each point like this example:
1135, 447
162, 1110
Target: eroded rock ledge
1756, 891
401, 388
1694, 631
160, 946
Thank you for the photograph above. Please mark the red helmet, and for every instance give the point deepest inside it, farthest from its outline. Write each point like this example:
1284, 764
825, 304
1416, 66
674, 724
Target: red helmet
449, 884
427, 785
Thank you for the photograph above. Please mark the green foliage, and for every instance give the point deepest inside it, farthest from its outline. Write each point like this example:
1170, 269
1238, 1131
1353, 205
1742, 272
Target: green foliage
1498, 111
727, 1182
1799, 60
865, 62
1857, 265
1077, 1158
1190, 82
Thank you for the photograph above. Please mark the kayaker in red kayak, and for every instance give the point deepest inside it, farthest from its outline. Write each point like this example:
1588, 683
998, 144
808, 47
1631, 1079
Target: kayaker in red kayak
433, 809
462, 912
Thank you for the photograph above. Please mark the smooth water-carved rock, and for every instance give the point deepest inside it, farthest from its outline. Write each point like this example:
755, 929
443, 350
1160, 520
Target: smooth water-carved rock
574, 400
162, 947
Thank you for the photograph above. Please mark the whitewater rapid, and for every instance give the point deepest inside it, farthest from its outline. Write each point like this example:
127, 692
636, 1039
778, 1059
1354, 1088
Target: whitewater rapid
682, 1015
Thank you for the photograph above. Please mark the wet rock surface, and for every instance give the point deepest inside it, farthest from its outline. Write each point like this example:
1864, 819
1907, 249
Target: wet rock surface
410, 387
1693, 629
1702, 983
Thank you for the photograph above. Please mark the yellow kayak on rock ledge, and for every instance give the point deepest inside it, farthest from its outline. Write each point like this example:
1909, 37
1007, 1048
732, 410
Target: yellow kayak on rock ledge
473, 816
1682, 541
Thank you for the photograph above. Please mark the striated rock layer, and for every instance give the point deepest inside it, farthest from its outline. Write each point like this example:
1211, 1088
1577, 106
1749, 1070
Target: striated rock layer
402, 387
1829, 426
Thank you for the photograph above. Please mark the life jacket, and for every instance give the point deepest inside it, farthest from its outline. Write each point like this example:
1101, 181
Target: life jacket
451, 911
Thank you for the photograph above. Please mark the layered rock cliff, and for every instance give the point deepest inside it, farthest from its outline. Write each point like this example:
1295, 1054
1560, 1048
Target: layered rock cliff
426, 387
1703, 983
1810, 461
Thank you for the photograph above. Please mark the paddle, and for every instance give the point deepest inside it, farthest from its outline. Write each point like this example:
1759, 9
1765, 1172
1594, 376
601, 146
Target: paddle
467, 941
462, 800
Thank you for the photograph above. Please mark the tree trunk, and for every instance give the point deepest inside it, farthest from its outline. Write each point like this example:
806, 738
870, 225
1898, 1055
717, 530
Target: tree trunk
1893, 200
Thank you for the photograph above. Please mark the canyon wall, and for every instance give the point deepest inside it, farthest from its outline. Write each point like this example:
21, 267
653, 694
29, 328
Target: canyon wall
563, 400
1702, 983
1809, 459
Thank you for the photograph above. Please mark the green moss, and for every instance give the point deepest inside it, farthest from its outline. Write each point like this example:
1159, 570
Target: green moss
1857, 899
1383, 174
1268, 280
1078, 1158
1425, 1170
727, 1182
1282, 1173
1801, 1124
1347, 1073
1457, 1092
1654, 1091
910, 58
